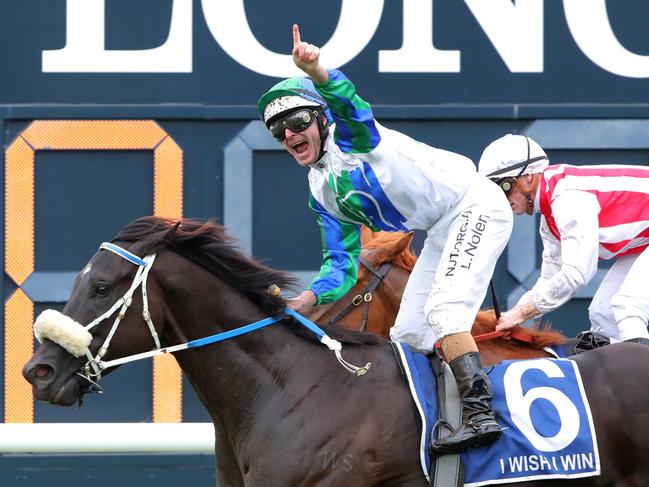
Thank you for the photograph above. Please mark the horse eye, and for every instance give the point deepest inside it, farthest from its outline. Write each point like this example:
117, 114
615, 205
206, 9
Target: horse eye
102, 289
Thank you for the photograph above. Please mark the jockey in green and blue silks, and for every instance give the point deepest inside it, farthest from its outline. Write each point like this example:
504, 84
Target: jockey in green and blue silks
357, 181
361, 173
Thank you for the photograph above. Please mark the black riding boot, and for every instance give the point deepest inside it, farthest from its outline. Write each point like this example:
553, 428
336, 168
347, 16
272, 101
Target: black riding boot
479, 424
641, 340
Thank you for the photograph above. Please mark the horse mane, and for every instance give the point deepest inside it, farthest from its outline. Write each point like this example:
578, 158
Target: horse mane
405, 259
207, 244
485, 322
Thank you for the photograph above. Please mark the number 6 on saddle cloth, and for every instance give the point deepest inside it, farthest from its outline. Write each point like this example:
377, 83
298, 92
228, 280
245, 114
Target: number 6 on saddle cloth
541, 405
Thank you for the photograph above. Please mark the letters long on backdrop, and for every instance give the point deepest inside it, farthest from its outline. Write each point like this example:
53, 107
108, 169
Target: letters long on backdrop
515, 31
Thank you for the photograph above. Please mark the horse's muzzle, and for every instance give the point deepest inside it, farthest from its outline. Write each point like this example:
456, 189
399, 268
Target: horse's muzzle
52, 374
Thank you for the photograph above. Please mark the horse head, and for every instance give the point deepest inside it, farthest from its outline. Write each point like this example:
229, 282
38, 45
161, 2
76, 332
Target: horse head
373, 303
95, 323
131, 298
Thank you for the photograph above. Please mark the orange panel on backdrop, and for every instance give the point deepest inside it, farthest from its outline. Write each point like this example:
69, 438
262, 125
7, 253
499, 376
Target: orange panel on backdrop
18, 349
19, 239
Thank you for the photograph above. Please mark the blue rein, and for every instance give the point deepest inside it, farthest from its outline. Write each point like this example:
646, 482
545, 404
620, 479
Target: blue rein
242, 330
333, 345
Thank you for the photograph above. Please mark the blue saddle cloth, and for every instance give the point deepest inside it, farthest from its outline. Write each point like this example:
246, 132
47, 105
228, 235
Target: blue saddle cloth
542, 407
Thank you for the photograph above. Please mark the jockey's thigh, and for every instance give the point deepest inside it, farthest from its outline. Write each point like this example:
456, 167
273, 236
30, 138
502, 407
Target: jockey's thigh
410, 325
630, 305
473, 241
600, 312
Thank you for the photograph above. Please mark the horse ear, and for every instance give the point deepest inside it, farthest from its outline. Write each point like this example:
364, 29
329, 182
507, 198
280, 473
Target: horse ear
403, 243
172, 231
367, 235
394, 247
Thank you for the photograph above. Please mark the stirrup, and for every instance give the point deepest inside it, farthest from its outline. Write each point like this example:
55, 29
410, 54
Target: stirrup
476, 439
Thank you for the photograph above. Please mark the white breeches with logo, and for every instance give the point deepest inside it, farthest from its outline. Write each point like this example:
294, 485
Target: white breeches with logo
450, 279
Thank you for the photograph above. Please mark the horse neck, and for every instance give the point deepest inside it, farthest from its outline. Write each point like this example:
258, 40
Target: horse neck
381, 310
386, 301
229, 374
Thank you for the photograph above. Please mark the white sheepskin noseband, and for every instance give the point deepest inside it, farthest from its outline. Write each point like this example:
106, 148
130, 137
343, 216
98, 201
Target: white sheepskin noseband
63, 330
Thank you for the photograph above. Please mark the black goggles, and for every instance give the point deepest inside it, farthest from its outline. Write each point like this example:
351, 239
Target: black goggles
506, 184
296, 121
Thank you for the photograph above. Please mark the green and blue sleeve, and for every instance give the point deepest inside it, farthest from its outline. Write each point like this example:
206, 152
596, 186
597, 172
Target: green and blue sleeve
356, 131
341, 247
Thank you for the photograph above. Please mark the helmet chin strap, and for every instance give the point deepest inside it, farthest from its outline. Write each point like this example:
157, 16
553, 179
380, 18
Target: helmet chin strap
323, 127
530, 206
534, 185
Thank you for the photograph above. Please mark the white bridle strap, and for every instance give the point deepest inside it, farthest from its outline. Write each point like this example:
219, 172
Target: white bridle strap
144, 266
145, 301
140, 279
125, 254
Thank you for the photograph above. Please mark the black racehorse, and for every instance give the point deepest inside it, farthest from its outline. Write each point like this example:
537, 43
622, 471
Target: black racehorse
281, 403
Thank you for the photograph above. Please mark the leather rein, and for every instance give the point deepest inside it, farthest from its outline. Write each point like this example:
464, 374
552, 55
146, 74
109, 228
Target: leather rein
365, 296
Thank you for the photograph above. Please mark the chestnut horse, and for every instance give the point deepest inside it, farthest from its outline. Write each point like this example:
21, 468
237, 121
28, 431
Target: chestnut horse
279, 400
373, 303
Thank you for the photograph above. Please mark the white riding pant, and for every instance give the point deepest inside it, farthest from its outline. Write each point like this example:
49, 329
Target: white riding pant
450, 279
620, 307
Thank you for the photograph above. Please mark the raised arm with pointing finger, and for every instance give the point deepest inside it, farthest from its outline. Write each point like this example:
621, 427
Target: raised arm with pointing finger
307, 58
361, 173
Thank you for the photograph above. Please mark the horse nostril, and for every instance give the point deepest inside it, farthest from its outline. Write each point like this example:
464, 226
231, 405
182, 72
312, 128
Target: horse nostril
41, 371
